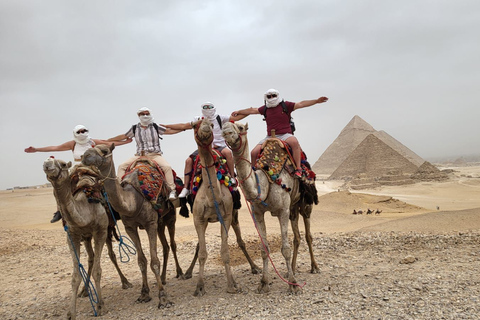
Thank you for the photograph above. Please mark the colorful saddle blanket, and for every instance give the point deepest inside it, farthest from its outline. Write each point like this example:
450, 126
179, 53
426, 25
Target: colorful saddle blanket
221, 168
276, 157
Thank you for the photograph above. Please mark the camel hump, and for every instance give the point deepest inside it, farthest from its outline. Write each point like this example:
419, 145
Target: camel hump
274, 158
281, 144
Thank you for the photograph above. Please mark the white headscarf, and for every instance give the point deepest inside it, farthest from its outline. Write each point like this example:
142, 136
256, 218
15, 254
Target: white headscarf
272, 102
145, 120
210, 114
81, 138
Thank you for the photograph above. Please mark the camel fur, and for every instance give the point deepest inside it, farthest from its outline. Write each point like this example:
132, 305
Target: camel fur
138, 213
264, 196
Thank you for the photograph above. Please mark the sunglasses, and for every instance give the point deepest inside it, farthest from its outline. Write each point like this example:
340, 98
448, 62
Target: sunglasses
144, 114
81, 131
207, 106
269, 96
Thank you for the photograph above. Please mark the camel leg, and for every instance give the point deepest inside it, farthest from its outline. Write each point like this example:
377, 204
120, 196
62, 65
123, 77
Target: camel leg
238, 233
264, 286
173, 245
152, 230
286, 250
99, 238
201, 227
111, 254
294, 217
90, 254
225, 254
309, 238
166, 251
142, 263
76, 277
189, 272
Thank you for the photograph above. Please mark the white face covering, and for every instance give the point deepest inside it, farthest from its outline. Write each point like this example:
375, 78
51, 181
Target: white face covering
210, 114
80, 138
272, 102
145, 120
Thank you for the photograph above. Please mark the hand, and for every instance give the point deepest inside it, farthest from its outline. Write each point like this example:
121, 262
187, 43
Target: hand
322, 99
128, 140
30, 150
234, 113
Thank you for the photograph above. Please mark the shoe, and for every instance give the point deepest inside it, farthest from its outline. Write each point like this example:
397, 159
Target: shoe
173, 195
298, 173
57, 216
185, 192
234, 181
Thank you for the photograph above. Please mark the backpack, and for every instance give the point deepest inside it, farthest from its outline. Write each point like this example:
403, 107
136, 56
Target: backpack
284, 107
134, 127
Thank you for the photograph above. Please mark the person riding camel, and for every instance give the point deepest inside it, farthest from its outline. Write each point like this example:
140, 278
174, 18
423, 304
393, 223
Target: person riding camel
147, 136
277, 114
209, 112
81, 142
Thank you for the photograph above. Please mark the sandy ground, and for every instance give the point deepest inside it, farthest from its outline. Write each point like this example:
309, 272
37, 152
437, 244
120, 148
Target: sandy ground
36, 265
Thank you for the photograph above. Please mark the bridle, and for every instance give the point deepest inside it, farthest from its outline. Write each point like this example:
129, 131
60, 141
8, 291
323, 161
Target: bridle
206, 145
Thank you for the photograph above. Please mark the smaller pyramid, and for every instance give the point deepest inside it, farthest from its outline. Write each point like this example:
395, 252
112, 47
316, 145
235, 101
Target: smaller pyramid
373, 158
428, 172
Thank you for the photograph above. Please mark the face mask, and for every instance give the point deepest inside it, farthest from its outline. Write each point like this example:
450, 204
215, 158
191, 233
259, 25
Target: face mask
145, 120
83, 137
209, 113
272, 101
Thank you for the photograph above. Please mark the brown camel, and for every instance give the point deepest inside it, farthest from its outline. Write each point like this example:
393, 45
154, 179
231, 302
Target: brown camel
264, 196
213, 203
137, 213
83, 221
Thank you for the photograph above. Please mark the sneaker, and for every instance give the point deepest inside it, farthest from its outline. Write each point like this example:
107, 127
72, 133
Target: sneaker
57, 216
234, 181
185, 192
298, 173
173, 195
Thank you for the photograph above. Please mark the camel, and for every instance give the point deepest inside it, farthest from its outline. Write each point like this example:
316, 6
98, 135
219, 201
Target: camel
369, 211
136, 212
264, 196
378, 211
213, 203
83, 221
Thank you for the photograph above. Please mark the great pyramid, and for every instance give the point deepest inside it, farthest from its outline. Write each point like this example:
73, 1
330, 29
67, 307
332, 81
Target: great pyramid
373, 158
350, 137
346, 144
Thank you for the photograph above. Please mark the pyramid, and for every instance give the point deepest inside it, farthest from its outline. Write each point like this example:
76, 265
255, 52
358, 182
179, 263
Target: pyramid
350, 137
400, 148
373, 158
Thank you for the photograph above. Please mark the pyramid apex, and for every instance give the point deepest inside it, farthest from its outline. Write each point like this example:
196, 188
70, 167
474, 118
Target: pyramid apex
358, 123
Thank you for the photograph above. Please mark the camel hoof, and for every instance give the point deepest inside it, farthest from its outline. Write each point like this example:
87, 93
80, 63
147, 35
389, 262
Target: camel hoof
200, 291
263, 288
164, 303
256, 270
144, 298
126, 285
315, 270
181, 277
187, 275
294, 289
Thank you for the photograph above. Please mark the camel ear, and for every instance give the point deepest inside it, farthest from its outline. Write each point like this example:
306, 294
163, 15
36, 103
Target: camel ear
112, 146
69, 164
246, 126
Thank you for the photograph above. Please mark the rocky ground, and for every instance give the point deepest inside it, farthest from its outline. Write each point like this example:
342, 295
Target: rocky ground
363, 275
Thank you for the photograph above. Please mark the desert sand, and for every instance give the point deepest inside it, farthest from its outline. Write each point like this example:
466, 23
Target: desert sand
418, 259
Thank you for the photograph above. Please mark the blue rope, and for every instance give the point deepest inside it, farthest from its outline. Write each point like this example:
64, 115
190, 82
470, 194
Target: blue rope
92, 293
259, 191
217, 209
124, 249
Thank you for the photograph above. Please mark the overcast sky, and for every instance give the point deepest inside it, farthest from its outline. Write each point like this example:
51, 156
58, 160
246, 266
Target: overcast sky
410, 68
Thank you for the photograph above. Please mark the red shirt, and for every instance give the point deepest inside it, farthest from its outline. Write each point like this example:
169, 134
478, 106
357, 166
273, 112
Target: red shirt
277, 119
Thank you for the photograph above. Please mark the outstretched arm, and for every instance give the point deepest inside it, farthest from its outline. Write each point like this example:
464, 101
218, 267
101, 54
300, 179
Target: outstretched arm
63, 147
115, 142
240, 114
179, 126
308, 103
120, 137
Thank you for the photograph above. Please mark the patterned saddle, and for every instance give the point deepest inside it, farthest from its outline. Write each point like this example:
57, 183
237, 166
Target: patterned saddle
151, 183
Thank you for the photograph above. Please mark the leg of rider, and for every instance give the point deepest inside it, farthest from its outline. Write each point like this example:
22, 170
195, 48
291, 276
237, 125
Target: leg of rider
186, 178
254, 154
296, 151
227, 153
167, 171
123, 167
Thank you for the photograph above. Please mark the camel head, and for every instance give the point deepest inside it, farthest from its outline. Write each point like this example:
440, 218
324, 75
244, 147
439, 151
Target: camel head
203, 130
56, 170
98, 156
232, 133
